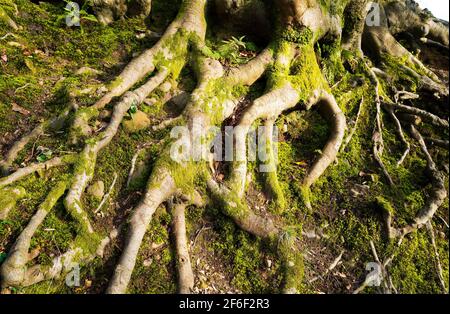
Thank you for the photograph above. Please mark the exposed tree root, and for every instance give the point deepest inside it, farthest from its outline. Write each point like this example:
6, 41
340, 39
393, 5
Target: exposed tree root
437, 257
185, 274
437, 196
52, 125
401, 135
107, 195
378, 142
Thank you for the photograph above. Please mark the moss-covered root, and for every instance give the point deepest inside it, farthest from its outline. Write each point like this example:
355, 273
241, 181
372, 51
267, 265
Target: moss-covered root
161, 186
270, 174
35, 167
270, 105
185, 274
234, 207
292, 263
380, 42
330, 111
437, 196
84, 169
82, 251
9, 198
14, 270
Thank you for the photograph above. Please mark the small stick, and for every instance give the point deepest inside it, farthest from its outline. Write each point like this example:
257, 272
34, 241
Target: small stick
106, 196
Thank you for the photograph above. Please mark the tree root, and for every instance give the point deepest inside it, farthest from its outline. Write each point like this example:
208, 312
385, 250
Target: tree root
437, 257
14, 271
52, 125
331, 112
400, 134
434, 201
185, 274
354, 127
378, 142
293, 77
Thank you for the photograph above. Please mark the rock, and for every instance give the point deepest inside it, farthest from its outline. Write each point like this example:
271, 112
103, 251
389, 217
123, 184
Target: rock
87, 71
138, 122
97, 190
150, 101
102, 90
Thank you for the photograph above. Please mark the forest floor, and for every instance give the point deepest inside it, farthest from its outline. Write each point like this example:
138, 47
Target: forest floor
45, 60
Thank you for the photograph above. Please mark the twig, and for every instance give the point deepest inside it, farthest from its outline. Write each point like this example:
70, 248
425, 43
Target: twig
106, 196
22, 87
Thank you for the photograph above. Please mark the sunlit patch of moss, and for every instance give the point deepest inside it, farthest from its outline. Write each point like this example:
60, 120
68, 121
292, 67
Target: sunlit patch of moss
245, 258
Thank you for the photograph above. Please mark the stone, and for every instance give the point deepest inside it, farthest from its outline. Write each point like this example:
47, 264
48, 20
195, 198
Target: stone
97, 190
138, 122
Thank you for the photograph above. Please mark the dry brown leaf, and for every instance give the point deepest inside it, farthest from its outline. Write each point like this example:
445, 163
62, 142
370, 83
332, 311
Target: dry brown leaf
19, 109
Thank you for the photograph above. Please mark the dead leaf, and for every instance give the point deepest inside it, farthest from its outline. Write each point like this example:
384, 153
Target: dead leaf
19, 109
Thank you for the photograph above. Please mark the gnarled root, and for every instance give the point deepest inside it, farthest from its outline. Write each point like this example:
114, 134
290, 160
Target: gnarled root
437, 196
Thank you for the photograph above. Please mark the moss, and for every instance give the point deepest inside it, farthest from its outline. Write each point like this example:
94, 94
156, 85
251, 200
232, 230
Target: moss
306, 74
244, 257
413, 271
292, 261
331, 61
9, 199
385, 205
301, 36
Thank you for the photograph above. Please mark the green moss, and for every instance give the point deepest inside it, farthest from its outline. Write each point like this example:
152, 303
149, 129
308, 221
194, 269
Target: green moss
385, 205
301, 36
245, 258
10, 196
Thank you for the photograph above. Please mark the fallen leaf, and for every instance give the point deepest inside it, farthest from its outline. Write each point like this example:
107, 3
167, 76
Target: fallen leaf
19, 109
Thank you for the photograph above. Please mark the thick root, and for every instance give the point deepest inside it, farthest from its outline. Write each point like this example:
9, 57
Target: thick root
185, 274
